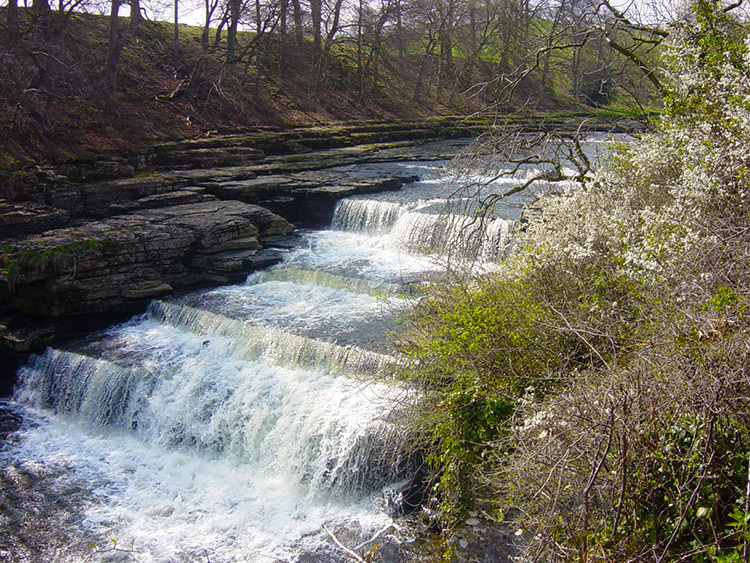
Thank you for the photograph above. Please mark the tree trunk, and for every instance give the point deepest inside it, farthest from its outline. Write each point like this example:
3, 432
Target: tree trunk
234, 18
136, 17
360, 75
40, 6
315, 14
297, 14
210, 6
575, 73
399, 31
114, 47
222, 22
12, 18
205, 33
545, 65
176, 21
332, 32
283, 8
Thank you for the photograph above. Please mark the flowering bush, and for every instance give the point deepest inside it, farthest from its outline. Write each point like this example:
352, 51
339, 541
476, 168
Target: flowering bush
629, 437
646, 456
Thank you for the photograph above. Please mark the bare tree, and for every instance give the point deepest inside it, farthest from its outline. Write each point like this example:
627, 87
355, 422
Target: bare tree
40, 6
114, 47
136, 16
210, 7
297, 15
176, 19
12, 18
235, 10
316, 14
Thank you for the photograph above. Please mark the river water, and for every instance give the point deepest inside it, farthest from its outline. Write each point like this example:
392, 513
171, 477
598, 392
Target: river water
232, 424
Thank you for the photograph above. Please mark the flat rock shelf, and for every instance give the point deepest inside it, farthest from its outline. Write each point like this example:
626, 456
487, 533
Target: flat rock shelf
80, 247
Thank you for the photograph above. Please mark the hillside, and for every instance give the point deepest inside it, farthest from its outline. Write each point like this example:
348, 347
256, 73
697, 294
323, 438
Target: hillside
55, 97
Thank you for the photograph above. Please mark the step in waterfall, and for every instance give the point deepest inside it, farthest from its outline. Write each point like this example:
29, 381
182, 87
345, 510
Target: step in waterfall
230, 424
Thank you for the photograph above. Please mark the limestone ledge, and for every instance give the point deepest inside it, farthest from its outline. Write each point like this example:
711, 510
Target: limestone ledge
84, 245
101, 266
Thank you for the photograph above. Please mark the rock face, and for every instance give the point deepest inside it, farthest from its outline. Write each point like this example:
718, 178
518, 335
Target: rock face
108, 264
25, 218
91, 241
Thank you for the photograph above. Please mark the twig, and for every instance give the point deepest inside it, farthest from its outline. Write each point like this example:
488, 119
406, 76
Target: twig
353, 554
113, 549
373, 538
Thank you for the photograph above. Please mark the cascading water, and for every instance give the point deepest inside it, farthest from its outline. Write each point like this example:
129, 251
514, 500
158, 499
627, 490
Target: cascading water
231, 424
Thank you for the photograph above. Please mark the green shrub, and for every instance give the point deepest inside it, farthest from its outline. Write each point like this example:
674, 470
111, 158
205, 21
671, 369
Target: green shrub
597, 385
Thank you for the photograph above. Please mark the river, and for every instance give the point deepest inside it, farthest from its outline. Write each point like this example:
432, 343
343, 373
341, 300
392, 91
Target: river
232, 424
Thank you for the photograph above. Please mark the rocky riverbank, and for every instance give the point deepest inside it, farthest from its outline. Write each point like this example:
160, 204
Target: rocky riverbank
88, 240
91, 240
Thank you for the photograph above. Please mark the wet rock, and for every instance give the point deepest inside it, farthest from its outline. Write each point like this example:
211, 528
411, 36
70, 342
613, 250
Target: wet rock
26, 218
486, 540
40, 513
347, 536
107, 265
21, 334
9, 421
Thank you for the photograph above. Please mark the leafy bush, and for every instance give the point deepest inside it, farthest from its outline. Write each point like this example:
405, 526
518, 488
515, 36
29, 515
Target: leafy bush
598, 385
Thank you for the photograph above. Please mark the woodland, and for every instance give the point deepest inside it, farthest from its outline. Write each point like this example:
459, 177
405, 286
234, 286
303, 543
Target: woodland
84, 75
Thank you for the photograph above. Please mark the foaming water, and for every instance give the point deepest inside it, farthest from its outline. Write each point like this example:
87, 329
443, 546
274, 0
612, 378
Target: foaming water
167, 504
272, 345
353, 254
309, 424
337, 308
192, 446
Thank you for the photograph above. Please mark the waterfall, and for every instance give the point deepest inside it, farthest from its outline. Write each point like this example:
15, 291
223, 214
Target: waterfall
231, 424
321, 430
97, 390
428, 227
335, 281
464, 236
274, 346
366, 215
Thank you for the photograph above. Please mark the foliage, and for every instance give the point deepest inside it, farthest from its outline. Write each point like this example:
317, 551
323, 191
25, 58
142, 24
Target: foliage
31, 260
475, 353
14, 172
616, 336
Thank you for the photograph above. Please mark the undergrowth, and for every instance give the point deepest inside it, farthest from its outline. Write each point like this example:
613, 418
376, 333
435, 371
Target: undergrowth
593, 392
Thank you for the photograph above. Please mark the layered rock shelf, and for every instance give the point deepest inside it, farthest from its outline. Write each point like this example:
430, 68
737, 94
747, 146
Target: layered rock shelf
90, 241
103, 265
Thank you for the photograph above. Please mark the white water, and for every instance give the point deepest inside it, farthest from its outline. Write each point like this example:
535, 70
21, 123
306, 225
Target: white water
232, 424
